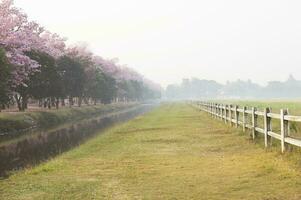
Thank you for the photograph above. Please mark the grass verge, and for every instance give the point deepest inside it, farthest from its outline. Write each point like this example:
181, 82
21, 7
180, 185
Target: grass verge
174, 152
11, 122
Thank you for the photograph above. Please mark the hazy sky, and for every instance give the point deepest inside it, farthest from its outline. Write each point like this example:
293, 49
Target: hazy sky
167, 40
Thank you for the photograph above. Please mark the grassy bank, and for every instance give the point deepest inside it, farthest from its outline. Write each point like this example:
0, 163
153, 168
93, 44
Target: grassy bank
174, 152
10, 122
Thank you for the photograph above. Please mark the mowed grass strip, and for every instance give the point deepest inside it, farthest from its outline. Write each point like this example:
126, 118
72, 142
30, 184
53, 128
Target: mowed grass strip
174, 152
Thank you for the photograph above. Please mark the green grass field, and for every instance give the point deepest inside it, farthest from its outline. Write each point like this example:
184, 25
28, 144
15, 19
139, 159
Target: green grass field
174, 152
294, 106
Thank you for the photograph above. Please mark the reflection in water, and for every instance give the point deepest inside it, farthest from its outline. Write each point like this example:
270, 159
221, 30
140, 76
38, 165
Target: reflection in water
31, 151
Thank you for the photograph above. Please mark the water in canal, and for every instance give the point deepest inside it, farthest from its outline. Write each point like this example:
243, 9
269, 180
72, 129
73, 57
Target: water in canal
40, 146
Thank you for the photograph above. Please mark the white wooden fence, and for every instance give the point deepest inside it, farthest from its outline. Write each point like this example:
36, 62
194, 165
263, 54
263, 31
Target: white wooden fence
231, 114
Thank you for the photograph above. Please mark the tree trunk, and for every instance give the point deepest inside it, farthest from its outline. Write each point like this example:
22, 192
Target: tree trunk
86, 100
57, 103
45, 103
53, 102
80, 101
49, 103
24, 102
18, 100
70, 101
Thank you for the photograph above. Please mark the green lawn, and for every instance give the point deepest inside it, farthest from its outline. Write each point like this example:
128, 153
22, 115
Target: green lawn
174, 152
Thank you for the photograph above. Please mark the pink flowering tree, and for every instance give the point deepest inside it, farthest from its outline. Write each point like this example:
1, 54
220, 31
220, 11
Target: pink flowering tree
17, 36
130, 84
38, 59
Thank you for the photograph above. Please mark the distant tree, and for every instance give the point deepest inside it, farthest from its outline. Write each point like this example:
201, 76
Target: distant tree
291, 88
47, 82
73, 77
101, 88
241, 89
132, 90
194, 88
109, 89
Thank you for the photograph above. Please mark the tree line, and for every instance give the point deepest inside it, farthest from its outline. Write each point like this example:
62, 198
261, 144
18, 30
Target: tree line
36, 64
196, 88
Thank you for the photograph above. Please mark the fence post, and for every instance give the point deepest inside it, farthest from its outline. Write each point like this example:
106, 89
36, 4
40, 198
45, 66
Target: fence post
230, 114
244, 119
208, 108
288, 124
218, 112
228, 119
221, 111
236, 116
225, 114
254, 122
288, 130
284, 129
267, 126
215, 111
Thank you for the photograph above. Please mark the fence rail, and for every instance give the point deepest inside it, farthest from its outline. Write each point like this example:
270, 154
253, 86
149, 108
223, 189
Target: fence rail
231, 114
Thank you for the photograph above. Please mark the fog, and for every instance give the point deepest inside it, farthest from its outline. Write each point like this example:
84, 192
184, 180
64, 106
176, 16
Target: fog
169, 40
